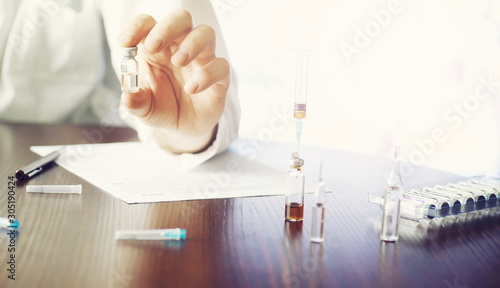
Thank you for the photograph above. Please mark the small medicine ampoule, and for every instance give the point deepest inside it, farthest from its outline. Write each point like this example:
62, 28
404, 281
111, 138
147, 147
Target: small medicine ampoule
294, 199
318, 214
130, 70
392, 202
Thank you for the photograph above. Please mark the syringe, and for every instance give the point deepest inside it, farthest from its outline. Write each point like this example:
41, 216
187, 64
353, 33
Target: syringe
8, 223
151, 234
300, 99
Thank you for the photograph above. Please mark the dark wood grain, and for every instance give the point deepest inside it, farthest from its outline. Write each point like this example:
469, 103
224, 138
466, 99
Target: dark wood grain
68, 240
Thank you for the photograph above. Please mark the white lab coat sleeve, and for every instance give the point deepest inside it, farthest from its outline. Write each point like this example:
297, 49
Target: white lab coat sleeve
116, 13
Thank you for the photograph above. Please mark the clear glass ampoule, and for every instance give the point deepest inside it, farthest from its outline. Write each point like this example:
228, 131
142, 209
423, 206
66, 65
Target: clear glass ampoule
392, 202
130, 70
294, 199
318, 214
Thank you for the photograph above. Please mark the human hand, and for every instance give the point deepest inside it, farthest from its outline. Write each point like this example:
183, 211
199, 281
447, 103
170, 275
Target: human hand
182, 85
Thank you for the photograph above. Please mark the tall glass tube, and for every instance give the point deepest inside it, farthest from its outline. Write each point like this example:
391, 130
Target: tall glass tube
392, 202
318, 210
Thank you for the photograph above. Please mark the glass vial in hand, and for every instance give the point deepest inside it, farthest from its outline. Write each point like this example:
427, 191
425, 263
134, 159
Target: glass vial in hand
130, 70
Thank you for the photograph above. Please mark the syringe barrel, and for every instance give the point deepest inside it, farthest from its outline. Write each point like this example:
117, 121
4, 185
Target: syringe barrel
301, 74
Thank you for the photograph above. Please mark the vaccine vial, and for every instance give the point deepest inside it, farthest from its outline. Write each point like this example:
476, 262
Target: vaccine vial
129, 70
294, 198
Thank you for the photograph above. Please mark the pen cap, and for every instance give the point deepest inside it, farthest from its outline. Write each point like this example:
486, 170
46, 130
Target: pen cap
15, 224
183, 234
19, 174
175, 233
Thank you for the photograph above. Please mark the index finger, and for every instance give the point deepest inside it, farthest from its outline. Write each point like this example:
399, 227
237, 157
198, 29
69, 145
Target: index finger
136, 29
174, 25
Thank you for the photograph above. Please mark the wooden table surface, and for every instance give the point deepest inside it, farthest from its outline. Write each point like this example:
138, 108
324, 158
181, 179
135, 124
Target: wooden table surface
68, 240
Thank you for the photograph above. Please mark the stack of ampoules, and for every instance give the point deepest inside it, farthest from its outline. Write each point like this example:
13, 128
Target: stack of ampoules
451, 199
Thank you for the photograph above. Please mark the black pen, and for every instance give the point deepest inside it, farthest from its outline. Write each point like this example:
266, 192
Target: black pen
36, 167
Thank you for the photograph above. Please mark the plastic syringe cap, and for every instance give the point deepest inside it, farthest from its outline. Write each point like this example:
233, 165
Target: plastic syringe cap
183, 234
129, 51
295, 160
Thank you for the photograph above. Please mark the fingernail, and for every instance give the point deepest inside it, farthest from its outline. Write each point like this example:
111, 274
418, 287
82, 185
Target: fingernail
153, 42
191, 86
179, 57
126, 38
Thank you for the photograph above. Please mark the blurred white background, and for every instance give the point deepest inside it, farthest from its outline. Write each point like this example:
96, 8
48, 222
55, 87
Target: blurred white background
374, 64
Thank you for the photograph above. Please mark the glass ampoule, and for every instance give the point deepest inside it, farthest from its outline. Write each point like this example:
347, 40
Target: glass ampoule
392, 202
318, 214
294, 198
130, 70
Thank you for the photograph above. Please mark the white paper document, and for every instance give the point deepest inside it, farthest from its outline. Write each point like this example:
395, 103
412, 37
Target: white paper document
141, 173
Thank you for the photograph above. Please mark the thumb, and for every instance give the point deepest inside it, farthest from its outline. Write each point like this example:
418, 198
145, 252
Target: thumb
138, 104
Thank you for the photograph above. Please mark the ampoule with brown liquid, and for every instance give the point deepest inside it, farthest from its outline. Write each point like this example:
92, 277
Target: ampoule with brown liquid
294, 199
